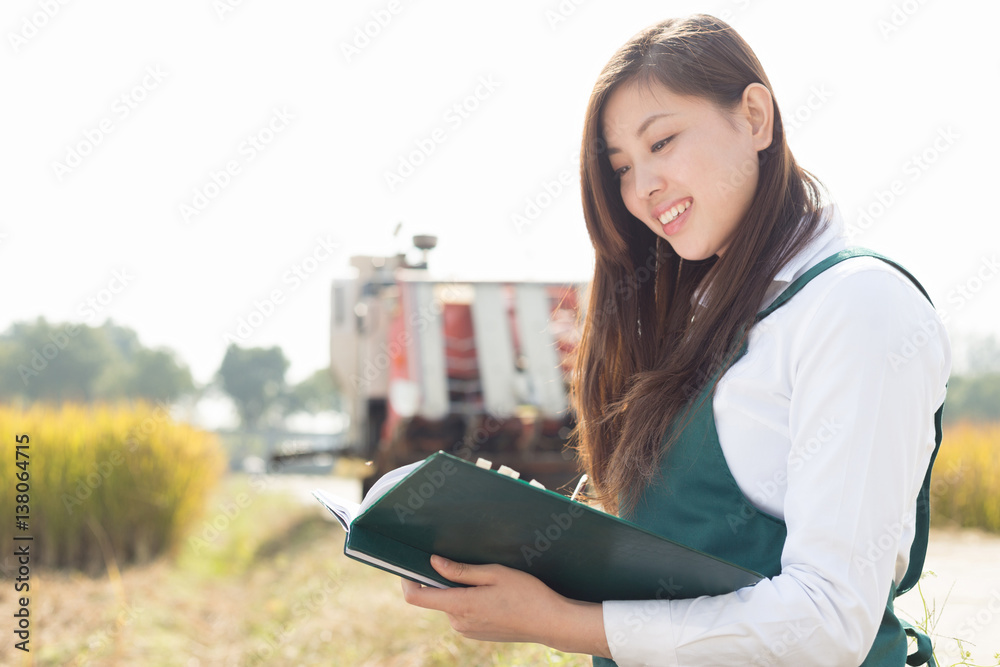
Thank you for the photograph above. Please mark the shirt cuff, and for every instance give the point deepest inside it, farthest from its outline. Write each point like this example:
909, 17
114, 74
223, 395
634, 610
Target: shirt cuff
639, 633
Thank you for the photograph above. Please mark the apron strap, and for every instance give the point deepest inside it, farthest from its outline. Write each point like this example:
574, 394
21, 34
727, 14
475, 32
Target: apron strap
918, 550
836, 258
922, 525
924, 655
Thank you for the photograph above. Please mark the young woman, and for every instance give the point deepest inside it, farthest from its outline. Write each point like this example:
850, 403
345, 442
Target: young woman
745, 384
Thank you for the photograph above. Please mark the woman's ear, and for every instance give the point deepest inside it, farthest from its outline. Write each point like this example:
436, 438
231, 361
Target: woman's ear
758, 108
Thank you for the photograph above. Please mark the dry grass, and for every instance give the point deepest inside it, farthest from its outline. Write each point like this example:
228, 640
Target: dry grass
274, 588
121, 476
966, 482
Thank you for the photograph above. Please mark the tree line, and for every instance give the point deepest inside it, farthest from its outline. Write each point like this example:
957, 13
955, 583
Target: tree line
54, 363
43, 362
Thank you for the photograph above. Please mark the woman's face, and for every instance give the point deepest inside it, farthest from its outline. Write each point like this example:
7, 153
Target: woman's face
683, 169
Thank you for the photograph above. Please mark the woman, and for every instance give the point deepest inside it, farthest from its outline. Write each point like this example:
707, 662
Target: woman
743, 385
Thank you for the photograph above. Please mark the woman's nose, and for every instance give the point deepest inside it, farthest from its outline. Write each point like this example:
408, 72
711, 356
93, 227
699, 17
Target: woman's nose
647, 182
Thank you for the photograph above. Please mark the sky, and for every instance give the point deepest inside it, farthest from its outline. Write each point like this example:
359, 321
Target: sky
178, 166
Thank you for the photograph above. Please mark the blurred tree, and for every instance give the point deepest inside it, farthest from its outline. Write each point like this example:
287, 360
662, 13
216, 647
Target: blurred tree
153, 374
984, 355
52, 362
974, 387
973, 397
40, 361
255, 379
317, 393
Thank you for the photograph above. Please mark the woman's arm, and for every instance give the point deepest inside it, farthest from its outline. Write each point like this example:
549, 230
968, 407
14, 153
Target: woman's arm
507, 605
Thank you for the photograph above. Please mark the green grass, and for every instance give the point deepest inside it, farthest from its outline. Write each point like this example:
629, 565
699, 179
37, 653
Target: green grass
928, 624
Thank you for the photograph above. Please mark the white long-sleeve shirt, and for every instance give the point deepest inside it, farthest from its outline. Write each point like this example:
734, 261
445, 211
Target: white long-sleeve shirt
826, 423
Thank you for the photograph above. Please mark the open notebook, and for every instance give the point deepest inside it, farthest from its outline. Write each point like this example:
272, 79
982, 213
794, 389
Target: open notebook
448, 506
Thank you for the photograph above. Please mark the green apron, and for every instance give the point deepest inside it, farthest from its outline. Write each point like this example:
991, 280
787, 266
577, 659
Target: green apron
697, 502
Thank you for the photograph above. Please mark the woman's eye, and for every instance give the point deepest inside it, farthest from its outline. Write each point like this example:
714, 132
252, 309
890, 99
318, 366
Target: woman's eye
660, 144
618, 173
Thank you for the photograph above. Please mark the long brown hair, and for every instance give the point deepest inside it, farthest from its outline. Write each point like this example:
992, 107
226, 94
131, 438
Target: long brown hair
642, 359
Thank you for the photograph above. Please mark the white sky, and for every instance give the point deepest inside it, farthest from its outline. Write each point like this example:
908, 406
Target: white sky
323, 173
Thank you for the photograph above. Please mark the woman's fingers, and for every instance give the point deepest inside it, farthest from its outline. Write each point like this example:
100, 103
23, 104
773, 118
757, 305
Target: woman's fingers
464, 573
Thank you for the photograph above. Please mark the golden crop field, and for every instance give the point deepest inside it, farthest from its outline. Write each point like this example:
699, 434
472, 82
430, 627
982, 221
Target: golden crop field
121, 479
965, 485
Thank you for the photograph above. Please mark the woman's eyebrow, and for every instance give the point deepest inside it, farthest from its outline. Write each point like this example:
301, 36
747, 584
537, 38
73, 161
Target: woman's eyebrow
642, 128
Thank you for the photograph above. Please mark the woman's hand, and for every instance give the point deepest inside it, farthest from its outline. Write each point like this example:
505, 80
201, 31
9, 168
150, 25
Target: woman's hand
507, 605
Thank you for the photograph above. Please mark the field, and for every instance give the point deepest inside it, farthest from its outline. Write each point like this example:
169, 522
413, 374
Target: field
271, 588
259, 578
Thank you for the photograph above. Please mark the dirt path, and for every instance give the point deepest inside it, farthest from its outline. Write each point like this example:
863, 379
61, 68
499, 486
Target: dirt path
965, 592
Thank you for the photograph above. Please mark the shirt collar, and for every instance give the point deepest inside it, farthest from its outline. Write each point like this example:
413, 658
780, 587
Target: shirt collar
831, 229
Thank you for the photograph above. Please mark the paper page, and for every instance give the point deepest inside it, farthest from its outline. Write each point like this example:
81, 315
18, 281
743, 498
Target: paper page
393, 568
385, 484
344, 510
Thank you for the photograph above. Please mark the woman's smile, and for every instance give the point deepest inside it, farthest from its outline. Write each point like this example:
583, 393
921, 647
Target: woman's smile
673, 218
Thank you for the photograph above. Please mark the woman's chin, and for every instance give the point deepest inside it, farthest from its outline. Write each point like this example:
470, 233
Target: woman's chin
690, 252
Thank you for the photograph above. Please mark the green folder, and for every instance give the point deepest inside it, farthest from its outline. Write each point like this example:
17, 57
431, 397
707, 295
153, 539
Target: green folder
448, 506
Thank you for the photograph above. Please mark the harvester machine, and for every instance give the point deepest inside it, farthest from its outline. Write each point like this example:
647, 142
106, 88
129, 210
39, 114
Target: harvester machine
479, 369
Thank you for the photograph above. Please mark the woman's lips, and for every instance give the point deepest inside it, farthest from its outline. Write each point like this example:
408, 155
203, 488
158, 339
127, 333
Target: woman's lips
675, 225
